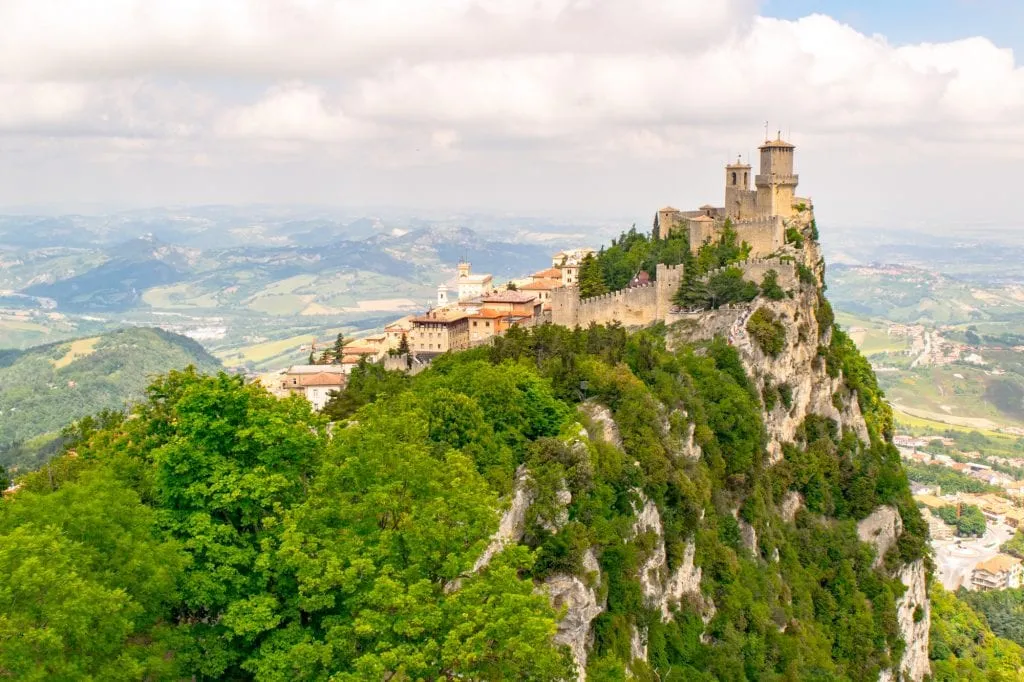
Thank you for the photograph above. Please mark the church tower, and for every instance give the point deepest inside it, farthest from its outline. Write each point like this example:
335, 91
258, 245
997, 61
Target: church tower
739, 200
776, 183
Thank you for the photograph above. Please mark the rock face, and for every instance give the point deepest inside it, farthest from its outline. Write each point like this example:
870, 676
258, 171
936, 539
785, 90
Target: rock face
914, 623
881, 529
582, 608
791, 504
602, 418
513, 521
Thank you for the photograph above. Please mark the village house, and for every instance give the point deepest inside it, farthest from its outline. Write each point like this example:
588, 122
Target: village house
568, 262
520, 303
542, 288
314, 382
439, 331
998, 573
484, 325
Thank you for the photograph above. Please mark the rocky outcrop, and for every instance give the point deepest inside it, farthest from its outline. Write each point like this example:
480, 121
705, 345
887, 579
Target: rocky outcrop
654, 568
914, 614
792, 503
602, 418
581, 608
811, 390
513, 521
685, 583
880, 529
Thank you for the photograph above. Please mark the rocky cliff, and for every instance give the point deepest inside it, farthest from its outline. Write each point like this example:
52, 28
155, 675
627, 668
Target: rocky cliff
759, 502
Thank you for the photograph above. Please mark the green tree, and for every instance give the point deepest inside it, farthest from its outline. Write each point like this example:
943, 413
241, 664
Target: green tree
339, 349
86, 584
591, 281
770, 288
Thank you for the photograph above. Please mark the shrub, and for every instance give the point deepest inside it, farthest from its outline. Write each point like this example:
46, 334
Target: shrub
770, 286
786, 395
794, 237
767, 331
806, 274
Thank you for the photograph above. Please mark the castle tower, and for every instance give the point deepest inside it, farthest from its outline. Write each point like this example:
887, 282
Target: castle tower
776, 183
442, 296
739, 200
463, 269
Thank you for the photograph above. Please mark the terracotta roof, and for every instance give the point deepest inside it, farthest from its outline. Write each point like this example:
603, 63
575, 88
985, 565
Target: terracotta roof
706, 206
703, 219
508, 297
351, 359
550, 273
359, 350
487, 314
668, 209
440, 316
542, 285
314, 369
998, 564
321, 379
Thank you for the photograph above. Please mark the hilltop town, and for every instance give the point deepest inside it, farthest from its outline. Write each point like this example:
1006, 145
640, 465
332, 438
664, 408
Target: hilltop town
472, 309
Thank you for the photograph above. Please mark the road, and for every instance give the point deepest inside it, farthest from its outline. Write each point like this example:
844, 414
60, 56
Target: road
954, 562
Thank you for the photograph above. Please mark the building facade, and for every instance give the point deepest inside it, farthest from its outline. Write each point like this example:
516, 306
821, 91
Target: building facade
998, 573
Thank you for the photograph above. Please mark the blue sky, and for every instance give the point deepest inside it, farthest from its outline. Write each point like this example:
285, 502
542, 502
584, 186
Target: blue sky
913, 21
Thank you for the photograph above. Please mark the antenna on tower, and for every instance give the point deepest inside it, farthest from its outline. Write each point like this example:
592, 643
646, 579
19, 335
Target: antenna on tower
766, 131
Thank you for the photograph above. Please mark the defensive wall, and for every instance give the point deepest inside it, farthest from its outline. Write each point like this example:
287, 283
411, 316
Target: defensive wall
649, 303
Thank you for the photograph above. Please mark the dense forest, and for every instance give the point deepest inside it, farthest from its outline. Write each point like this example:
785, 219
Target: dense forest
222, 533
44, 388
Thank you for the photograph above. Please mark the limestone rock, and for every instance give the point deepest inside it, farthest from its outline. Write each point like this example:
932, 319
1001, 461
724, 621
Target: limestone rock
914, 665
582, 608
513, 521
791, 504
602, 418
638, 645
881, 528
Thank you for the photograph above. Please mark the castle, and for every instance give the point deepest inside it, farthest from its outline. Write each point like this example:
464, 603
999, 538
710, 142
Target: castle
758, 215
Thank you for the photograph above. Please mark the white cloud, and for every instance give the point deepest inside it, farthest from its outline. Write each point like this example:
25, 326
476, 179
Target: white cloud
386, 84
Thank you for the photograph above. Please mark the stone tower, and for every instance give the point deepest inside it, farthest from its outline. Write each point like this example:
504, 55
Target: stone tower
739, 200
776, 183
464, 269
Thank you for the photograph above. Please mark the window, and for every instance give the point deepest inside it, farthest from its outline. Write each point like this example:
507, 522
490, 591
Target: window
734, 177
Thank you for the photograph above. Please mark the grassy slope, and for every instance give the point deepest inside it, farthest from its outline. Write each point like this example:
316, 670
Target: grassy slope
45, 388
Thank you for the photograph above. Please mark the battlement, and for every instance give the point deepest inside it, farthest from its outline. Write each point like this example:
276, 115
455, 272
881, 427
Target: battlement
772, 178
755, 269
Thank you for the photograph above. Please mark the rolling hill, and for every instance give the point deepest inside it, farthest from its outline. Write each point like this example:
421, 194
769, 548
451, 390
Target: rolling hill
45, 388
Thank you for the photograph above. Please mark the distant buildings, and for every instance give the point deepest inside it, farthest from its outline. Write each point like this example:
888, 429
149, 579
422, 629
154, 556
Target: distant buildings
998, 573
314, 382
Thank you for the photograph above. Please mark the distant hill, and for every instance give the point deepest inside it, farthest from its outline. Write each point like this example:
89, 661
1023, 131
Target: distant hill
45, 388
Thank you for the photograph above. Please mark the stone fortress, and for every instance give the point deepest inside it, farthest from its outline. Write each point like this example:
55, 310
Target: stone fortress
760, 217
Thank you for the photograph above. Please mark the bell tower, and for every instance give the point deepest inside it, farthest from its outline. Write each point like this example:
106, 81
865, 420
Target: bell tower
776, 183
737, 191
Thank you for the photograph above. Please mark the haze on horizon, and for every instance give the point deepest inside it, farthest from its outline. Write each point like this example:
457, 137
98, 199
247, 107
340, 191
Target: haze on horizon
912, 116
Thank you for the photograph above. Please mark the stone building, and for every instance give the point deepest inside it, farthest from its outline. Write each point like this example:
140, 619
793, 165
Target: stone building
568, 262
757, 214
439, 331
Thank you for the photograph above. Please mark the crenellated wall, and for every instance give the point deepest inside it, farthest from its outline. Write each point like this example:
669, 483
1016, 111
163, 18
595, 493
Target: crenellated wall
649, 303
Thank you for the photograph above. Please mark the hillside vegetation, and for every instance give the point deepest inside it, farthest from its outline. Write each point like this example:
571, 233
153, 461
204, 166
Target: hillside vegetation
45, 388
250, 544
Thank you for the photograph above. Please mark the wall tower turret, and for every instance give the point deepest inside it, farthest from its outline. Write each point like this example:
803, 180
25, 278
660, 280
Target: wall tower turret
776, 183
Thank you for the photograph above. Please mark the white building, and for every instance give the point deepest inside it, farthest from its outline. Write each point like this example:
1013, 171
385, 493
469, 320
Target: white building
314, 382
1000, 572
466, 284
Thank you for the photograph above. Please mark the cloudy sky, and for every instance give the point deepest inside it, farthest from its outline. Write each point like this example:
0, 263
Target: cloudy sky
902, 112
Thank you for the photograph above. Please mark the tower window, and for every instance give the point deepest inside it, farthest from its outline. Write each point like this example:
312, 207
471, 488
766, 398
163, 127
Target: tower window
745, 178
734, 177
